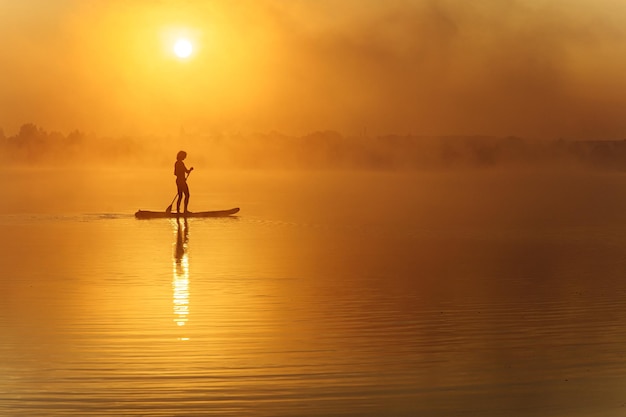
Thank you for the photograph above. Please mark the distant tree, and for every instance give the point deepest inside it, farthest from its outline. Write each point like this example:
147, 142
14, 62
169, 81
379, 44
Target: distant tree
75, 137
28, 131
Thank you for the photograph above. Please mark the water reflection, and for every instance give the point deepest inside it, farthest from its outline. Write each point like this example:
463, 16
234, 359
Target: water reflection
180, 282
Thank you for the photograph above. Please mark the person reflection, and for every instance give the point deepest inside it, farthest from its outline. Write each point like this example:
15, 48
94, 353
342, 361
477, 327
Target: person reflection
182, 239
180, 282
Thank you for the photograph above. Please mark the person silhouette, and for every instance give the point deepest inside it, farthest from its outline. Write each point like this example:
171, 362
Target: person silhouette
181, 172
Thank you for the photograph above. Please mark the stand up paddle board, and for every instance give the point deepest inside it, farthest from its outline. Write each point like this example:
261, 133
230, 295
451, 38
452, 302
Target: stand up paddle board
146, 214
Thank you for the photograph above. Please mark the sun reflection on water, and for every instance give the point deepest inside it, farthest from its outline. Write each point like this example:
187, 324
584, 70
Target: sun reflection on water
180, 281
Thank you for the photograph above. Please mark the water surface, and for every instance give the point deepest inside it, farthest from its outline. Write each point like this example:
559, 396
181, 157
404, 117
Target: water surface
330, 294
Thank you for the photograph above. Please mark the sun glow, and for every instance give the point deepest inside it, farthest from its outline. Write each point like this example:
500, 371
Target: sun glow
183, 48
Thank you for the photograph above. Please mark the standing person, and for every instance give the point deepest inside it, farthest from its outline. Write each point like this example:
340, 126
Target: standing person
181, 171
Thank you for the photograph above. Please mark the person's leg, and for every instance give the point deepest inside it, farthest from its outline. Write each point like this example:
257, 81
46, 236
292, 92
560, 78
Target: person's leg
186, 198
180, 198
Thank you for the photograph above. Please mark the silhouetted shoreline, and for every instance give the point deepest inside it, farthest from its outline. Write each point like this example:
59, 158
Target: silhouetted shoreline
317, 150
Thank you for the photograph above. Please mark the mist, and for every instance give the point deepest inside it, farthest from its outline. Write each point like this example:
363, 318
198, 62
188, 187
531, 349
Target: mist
533, 69
320, 150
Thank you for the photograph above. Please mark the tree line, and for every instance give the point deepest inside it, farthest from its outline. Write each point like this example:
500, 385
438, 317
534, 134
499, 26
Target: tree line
318, 150
33, 144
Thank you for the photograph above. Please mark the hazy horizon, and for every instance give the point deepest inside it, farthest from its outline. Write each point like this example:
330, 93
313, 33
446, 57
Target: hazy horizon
325, 150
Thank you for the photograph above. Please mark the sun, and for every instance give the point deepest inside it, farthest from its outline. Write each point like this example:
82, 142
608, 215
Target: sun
183, 48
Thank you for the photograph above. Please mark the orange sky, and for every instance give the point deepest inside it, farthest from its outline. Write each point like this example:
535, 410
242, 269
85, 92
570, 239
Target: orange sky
535, 68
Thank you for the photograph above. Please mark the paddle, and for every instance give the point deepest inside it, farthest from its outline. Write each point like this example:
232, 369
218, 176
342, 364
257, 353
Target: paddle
168, 210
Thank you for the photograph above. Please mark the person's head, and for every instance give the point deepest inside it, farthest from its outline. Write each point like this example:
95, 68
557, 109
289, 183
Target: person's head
181, 155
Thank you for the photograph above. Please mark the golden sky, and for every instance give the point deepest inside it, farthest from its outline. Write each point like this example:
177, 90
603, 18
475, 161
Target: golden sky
535, 68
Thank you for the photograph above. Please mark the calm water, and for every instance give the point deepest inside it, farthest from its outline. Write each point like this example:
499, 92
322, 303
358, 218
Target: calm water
482, 294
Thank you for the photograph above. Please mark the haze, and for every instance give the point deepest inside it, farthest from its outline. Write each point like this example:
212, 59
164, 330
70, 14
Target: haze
541, 69
431, 193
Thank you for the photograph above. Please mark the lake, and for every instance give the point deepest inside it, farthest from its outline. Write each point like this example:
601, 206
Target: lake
483, 293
